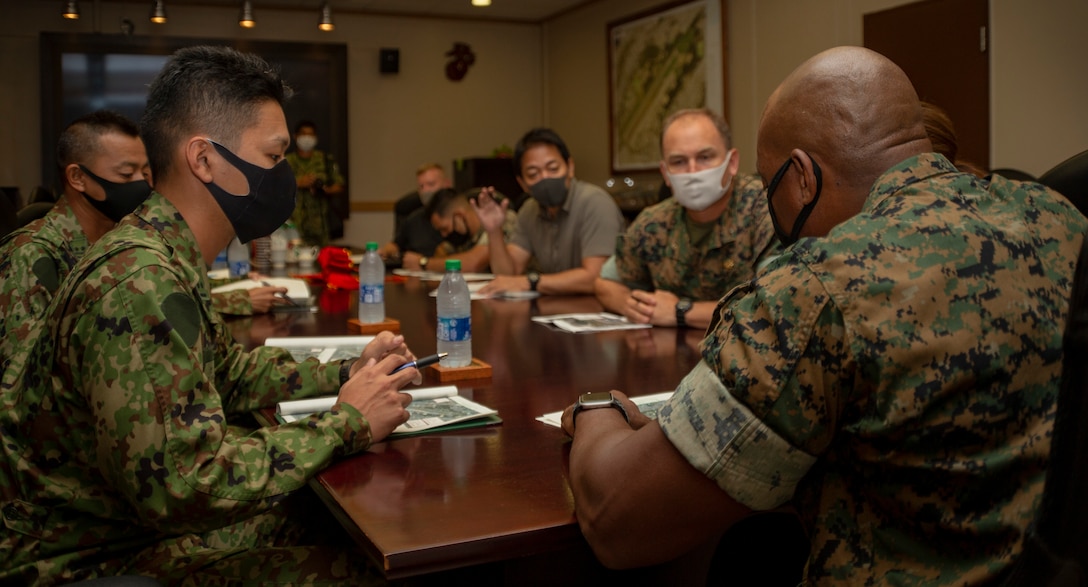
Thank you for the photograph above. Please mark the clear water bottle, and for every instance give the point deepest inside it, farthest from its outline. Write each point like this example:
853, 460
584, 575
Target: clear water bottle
221, 261
371, 286
238, 258
454, 317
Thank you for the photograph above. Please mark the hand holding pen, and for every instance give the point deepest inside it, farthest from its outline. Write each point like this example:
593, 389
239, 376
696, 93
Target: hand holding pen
281, 293
421, 363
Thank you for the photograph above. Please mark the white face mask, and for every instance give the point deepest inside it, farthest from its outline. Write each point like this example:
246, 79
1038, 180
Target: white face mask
699, 190
306, 142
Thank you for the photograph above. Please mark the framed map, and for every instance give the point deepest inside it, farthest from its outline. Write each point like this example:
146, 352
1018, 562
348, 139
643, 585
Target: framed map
659, 62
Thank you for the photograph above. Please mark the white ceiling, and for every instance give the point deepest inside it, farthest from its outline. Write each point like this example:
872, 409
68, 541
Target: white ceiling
509, 10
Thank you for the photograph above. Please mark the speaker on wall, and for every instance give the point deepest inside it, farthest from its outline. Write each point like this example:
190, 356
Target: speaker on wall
389, 60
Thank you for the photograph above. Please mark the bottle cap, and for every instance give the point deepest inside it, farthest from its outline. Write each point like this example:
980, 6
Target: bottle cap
453, 264
372, 246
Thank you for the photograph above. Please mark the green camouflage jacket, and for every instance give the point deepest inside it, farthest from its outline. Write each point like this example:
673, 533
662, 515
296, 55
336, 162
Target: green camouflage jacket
310, 210
656, 250
123, 432
895, 379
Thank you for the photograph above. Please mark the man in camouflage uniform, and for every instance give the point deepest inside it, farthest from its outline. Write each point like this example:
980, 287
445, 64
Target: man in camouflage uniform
318, 177
893, 374
463, 235
124, 445
679, 257
104, 170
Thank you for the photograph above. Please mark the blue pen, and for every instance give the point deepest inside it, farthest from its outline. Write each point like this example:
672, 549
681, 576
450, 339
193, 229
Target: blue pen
421, 363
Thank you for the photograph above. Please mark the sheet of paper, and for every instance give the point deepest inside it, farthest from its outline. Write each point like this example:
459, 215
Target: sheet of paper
325, 348
589, 322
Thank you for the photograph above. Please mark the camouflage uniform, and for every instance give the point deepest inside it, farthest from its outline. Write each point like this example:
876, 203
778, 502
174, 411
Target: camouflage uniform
311, 212
656, 251
234, 303
481, 239
33, 262
896, 379
124, 446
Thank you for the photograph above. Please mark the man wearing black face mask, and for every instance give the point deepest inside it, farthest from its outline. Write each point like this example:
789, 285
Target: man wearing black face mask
463, 235
104, 171
567, 230
129, 425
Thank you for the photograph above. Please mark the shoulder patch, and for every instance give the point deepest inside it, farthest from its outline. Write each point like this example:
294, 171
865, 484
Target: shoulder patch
45, 269
183, 315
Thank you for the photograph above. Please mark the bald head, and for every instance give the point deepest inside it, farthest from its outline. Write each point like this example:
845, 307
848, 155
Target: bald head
852, 109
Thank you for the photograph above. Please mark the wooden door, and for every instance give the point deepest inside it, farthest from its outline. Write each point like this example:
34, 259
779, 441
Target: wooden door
943, 45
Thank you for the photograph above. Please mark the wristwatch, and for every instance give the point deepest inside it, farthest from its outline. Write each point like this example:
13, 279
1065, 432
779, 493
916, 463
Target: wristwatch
594, 400
683, 306
423, 262
534, 280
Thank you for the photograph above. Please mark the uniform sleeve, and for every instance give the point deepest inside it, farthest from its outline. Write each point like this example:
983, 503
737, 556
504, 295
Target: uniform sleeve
234, 303
601, 224
766, 400
631, 269
140, 353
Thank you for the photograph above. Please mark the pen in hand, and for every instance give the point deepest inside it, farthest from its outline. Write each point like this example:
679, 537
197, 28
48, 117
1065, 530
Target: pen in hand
280, 295
421, 363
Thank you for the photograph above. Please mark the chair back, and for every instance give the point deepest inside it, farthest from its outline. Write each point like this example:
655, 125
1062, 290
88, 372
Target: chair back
1056, 549
32, 212
1070, 178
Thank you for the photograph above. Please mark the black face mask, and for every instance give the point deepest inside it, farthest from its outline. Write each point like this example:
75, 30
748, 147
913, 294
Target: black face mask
270, 200
791, 237
121, 198
549, 192
458, 239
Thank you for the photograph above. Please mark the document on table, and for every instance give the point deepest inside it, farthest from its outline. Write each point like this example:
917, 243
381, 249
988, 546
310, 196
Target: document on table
589, 322
474, 288
432, 409
438, 275
647, 404
297, 289
325, 348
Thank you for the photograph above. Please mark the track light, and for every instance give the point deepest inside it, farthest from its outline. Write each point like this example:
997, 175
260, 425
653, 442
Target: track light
71, 10
246, 20
158, 12
325, 22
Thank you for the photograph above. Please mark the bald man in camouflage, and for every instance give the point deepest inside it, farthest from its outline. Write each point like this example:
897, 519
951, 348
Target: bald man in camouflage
125, 446
892, 375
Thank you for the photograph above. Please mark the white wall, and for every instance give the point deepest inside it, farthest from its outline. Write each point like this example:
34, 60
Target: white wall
1038, 85
396, 122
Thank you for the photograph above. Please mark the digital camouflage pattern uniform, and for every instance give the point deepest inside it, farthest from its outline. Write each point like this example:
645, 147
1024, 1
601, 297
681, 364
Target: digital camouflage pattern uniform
896, 379
33, 261
234, 303
122, 451
656, 251
311, 211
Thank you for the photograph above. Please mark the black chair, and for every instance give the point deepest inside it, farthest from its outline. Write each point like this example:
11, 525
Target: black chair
1070, 178
32, 212
9, 220
1015, 174
42, 194
1056, 549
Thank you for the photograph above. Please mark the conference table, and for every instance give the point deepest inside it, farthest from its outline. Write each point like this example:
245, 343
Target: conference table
485, 495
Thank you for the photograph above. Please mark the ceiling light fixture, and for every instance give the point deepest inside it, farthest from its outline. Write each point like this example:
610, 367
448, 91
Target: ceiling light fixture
481, 2
158, 12
71, 10
325, 22
246, 19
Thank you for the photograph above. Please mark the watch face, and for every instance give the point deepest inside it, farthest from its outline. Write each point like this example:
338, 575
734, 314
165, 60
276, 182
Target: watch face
683, 305
595, 399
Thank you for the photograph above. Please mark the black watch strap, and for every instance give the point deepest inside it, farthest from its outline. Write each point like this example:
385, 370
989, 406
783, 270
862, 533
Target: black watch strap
534, 280
683, 305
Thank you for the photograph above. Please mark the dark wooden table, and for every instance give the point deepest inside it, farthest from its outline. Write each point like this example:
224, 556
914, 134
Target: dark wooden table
457, 499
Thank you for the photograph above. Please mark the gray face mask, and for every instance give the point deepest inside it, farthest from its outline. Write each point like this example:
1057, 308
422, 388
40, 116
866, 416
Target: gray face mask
550, 192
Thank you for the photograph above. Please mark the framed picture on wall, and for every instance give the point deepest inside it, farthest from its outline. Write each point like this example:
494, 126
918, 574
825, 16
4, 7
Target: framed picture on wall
660, 61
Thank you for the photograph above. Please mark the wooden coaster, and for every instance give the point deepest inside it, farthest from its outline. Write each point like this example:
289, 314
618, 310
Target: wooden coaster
390, 324
477, 370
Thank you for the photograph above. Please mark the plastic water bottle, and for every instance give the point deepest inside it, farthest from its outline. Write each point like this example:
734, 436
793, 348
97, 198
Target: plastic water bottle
454, 317
221, 261
371, 286
238, 258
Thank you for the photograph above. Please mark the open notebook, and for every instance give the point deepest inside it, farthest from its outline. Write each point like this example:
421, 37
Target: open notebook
433, 409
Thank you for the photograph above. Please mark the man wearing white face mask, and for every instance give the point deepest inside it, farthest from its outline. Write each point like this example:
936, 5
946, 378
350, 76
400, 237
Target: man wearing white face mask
680, 256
